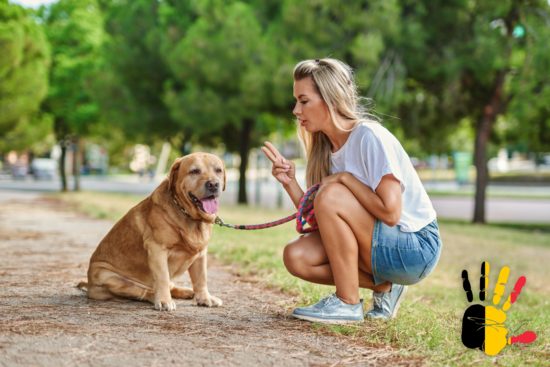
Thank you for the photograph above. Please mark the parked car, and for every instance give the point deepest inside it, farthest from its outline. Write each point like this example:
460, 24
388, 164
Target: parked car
19, 171
44, 168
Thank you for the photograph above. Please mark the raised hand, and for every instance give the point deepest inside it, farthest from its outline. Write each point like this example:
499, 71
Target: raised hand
282, 169
483, 326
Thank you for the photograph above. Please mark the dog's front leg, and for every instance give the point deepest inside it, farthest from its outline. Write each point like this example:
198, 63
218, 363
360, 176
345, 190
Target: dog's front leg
158, 263
197, 271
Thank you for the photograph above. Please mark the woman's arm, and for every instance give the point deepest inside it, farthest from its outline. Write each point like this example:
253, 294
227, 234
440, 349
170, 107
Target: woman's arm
295, 192
284, 171
384, 204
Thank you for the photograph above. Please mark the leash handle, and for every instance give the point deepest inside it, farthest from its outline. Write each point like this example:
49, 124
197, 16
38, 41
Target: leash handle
305, 211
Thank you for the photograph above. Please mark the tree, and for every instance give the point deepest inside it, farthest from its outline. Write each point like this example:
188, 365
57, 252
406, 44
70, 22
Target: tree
221, 72
220, 86
528, 115
24, 65
132, 84
75, 32
471, 59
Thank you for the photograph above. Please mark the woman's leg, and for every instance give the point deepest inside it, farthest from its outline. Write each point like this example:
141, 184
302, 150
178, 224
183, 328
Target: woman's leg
346, 229
307, 259
340, 253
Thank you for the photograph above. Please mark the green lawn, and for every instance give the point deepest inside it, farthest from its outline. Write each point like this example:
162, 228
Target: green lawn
429, 321
469, 193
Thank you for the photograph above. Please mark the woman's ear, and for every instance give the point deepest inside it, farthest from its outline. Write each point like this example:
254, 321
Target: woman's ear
174, 173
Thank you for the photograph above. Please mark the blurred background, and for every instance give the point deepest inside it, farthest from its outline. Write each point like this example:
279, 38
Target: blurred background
103, 95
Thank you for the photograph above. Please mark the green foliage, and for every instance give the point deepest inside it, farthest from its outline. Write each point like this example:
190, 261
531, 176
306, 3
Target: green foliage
33, 131
75, 32
200, 71
130, 87
453, 52
219, 72
24, 64
529, 111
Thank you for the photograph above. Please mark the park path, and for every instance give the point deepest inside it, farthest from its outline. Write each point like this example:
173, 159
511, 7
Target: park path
46, 321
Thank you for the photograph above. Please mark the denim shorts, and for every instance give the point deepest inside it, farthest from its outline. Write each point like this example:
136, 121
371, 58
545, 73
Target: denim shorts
404, 257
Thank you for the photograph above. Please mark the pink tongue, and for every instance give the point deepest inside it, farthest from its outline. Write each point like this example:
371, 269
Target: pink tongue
210, 205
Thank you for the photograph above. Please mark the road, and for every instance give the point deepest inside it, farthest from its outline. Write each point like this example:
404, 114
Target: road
501, 209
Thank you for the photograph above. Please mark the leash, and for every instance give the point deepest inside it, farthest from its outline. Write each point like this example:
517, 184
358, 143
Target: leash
305, 215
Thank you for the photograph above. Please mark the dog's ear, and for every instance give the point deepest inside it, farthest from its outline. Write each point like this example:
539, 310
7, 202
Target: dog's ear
173, 175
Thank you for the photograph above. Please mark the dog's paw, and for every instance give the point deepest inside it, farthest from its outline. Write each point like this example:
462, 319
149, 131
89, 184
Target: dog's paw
165, 304
182, 293
207, 300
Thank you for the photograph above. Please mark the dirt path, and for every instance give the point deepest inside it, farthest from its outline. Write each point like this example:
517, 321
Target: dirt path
46, 321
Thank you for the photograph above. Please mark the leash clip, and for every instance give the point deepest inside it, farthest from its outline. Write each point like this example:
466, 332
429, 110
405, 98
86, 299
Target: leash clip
221, 223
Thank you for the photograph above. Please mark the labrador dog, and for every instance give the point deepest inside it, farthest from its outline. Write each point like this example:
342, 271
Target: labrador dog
162, 237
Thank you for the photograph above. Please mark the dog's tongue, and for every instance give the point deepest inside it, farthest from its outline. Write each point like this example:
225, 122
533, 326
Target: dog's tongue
210, 205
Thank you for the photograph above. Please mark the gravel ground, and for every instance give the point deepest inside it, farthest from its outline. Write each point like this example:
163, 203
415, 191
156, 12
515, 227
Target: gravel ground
46, 321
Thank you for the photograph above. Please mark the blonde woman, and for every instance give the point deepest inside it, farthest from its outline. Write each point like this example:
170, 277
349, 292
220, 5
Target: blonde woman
377, 226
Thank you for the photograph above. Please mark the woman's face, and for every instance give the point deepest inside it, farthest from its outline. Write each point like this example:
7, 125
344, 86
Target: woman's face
310, 110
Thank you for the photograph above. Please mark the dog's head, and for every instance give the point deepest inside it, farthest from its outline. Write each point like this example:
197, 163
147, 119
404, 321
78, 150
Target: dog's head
197, 180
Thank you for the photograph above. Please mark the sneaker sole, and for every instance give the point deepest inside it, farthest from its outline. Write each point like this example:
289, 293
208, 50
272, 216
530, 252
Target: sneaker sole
369, 317
326, 321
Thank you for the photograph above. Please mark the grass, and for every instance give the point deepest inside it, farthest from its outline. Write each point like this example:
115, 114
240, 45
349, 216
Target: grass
469, 193
429, 322
536, 177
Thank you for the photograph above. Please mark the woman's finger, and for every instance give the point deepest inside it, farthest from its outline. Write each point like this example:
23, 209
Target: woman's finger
269, 155
278, 163
277, 171
274, 151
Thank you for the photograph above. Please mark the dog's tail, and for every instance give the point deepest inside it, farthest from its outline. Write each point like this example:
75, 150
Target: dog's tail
83, 286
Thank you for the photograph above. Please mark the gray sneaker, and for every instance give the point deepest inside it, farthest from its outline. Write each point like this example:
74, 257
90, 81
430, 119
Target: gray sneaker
331, 310
385, 305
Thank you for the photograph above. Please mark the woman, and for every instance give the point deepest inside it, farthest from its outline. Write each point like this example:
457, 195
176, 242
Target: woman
377, 226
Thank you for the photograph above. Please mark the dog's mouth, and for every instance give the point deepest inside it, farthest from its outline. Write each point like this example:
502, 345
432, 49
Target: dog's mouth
208, 204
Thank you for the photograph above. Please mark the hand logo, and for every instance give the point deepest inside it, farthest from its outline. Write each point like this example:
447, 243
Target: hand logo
483, 326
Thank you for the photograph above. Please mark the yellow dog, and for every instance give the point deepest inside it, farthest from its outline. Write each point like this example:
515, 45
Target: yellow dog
162, 237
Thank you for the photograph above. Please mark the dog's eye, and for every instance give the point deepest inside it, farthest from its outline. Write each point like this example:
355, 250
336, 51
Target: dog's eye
195, 171
219, 170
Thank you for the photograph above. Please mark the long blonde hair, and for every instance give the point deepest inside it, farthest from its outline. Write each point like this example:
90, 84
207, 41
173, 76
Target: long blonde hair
334, 82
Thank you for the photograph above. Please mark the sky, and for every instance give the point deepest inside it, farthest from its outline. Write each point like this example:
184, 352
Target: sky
36, 3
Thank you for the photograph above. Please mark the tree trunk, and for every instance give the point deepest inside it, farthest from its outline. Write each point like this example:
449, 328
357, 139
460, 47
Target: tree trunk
483, 132
244, 149
494, 106
185, 147
76, 162
62, 159
480, 161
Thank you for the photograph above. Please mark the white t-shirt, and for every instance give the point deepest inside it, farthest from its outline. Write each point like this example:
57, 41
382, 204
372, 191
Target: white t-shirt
372, 152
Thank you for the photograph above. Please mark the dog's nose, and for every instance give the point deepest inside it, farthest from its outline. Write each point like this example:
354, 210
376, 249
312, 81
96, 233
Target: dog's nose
212, 186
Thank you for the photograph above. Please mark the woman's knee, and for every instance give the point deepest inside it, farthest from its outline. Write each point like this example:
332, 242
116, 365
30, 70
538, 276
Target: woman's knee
331, 196
293, 257
337, 199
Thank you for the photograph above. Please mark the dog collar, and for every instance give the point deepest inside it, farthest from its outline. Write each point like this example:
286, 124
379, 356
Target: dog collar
179, 206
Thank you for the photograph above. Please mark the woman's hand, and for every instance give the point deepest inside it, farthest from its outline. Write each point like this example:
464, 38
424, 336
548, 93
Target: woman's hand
335, 178
282, 169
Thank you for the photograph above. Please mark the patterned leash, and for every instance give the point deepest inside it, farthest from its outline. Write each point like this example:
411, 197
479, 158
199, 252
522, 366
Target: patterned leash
305, 215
